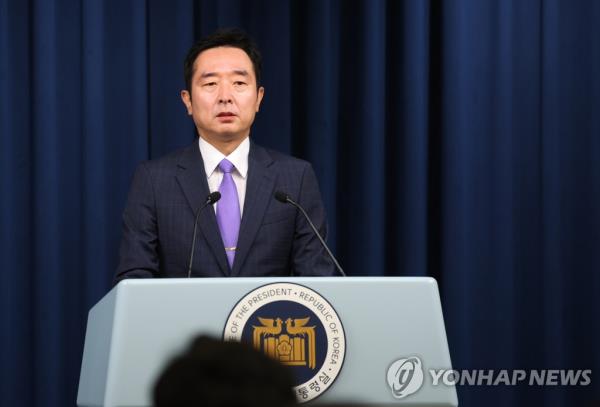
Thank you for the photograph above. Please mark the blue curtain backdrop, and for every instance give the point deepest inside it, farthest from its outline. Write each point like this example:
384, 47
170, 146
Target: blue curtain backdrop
458, 139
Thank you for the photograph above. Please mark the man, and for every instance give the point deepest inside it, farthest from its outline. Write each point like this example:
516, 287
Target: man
247, 232
213, 373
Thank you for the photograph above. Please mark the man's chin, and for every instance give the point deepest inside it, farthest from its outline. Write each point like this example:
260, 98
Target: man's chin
226, 135
230, 136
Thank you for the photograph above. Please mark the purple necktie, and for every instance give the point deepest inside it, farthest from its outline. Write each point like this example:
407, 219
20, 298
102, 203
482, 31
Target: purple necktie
228, 211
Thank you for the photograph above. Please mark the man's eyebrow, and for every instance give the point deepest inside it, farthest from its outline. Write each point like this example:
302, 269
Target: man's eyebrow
242, 72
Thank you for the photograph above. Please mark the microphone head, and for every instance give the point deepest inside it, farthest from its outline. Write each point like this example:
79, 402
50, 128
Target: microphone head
213, 197
281, 196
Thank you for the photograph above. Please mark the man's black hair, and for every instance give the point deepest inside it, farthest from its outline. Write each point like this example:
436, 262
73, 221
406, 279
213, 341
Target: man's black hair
228, 37
213, 373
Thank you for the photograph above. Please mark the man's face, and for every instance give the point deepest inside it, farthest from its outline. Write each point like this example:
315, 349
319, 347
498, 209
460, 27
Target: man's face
224, 98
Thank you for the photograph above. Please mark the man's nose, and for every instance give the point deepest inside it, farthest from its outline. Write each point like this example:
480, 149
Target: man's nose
225, 94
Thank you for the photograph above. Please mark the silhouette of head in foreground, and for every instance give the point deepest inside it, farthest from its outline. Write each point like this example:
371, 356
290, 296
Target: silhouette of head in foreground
214, 373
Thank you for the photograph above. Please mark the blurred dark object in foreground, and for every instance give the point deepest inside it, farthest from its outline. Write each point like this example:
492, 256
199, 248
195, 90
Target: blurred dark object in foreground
214, 373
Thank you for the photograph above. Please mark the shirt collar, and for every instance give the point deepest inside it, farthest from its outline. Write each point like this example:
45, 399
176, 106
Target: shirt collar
212, 157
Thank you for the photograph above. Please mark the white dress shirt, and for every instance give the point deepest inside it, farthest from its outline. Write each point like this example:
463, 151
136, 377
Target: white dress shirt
239, 158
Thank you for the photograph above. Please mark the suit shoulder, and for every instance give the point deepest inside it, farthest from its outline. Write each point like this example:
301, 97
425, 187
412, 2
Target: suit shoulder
165, 163
170, 158
288, 160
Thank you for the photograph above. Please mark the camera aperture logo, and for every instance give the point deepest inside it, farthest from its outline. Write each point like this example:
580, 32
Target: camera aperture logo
405, 376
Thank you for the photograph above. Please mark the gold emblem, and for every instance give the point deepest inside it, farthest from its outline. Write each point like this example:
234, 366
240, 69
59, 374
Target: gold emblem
294, 347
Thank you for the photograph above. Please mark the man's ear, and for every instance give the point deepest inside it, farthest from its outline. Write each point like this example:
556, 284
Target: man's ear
186, 98
259, 97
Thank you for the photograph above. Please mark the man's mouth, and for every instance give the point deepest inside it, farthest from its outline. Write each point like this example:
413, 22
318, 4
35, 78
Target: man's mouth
226, 114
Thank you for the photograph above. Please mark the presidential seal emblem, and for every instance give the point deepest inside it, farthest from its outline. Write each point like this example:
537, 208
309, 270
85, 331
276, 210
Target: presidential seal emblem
298, 327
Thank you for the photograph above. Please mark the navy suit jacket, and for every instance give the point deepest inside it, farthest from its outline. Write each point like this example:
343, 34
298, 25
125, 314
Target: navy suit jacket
274, 238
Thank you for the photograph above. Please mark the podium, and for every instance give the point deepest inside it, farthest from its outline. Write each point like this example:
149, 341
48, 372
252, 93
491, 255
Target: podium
375, 339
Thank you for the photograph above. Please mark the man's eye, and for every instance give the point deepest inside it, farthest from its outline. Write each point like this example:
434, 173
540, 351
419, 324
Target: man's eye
210, 84
239, 83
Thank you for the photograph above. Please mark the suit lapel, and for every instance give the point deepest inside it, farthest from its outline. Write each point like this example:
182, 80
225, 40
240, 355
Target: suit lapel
259, 192
192, 179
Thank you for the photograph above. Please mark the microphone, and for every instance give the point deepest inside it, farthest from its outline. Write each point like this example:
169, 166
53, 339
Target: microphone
211, 199
285, 198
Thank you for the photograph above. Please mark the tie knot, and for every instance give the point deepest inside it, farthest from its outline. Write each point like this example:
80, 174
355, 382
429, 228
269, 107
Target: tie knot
226, 166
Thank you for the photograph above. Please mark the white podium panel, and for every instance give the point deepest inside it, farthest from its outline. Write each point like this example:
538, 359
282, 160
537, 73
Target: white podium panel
393, 333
